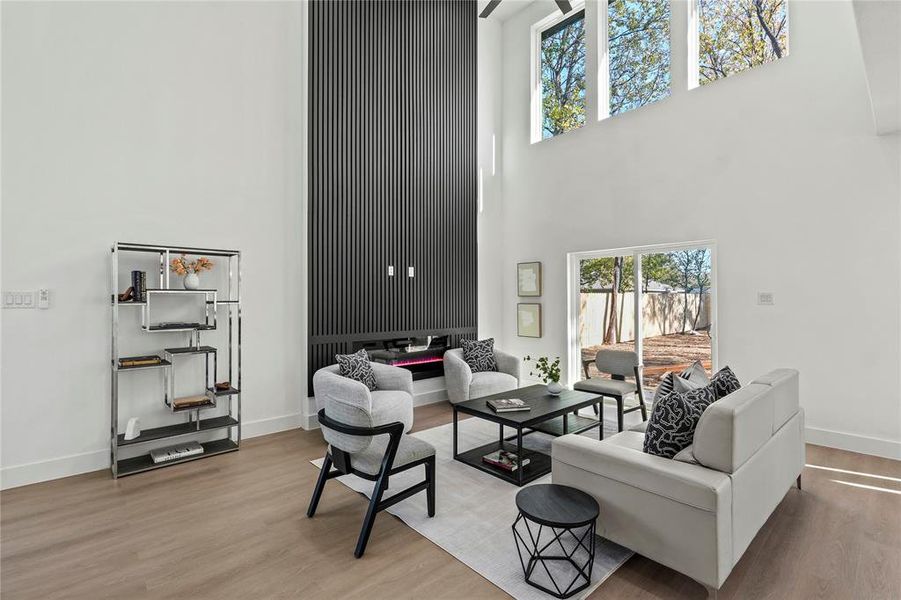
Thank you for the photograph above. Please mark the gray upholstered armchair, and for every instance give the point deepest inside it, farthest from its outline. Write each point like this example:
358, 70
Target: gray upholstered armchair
391, 401
463, 384
366, 432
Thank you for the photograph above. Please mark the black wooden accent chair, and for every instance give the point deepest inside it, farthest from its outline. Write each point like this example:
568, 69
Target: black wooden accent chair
376, 461
619, 364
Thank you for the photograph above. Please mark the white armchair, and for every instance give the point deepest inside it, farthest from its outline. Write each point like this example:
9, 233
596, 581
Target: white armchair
463, 384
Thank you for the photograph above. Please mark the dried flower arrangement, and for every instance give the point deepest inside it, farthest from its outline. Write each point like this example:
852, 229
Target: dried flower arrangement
182, 266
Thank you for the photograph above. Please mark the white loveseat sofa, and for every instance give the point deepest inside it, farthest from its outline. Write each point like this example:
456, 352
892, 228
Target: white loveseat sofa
697, 514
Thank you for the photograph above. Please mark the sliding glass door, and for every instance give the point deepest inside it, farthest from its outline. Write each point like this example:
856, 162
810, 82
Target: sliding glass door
658, 301
675, 311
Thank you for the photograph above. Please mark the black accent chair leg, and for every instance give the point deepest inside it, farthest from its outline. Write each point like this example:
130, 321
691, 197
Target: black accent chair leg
799, 482
371, 513
619, 413
320, 484
430, 492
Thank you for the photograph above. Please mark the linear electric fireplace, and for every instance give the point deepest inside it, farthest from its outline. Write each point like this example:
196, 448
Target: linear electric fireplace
422, 356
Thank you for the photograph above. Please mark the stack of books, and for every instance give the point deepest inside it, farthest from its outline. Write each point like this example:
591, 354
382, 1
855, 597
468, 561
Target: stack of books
503, 459
139, 283
508, 405
140, 361
188, 401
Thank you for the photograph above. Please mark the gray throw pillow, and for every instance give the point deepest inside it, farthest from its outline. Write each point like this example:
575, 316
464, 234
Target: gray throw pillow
695, 374
674, 418
479, 355
683, 384
356, 366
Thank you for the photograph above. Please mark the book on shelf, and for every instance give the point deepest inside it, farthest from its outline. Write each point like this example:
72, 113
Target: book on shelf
140, 361
503, 459
139, 283
170, 453
508, 405
188, 401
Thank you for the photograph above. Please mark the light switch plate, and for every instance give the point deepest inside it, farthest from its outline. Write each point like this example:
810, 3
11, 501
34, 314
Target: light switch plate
410, 272
18, 300
766, 298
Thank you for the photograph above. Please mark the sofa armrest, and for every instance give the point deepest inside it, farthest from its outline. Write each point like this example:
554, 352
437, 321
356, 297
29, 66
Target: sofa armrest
392, 378
689, 484
509, 364
457, 376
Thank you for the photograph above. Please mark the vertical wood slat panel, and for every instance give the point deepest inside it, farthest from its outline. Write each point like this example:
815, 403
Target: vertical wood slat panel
393, 177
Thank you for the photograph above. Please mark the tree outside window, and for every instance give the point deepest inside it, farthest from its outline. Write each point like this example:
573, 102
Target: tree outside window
734, 35
563, 76
638, 45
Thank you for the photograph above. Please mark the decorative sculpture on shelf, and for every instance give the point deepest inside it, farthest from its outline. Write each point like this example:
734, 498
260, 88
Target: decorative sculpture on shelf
133, 429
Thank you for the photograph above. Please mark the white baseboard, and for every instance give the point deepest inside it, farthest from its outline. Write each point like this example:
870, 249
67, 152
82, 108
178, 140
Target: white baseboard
854, 443
97, 460
54, 468
251, 429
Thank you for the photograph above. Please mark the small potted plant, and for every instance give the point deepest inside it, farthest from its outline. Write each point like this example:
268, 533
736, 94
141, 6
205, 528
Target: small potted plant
189, 270
548, 372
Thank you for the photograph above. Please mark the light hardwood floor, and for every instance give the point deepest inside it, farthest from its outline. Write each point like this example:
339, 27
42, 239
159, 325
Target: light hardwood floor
233, 526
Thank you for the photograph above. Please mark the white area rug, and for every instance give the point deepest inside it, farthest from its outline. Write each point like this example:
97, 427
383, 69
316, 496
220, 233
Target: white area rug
474, 510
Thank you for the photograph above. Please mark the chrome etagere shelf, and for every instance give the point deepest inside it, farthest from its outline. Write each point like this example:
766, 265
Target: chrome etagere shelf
215, 303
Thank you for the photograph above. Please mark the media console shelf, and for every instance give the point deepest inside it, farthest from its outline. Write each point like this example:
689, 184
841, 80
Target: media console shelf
228, 301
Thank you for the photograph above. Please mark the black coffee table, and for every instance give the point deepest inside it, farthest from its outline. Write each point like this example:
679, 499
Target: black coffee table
553, 415
570, 515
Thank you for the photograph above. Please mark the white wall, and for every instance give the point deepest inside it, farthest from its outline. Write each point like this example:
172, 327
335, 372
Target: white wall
148, 122
779, 165
490, 161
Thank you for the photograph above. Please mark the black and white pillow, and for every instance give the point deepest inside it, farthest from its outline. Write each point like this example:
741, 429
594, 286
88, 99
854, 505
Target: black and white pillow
479, 355
695, 374
674, 418
724, 382
356, 366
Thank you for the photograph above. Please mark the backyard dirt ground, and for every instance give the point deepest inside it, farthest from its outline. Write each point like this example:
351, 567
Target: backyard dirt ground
662, 353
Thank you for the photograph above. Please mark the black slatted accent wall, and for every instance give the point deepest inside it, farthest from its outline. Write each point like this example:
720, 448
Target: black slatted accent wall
392, 172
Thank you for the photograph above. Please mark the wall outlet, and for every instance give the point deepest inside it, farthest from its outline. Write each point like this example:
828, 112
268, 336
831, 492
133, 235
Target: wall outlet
390, 270
766, 298
18, 300
411, 272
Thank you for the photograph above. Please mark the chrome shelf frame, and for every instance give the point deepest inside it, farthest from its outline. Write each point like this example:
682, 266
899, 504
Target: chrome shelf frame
231, 306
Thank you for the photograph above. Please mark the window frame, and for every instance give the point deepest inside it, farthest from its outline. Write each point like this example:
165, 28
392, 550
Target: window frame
694, 45
537, 104
603, 74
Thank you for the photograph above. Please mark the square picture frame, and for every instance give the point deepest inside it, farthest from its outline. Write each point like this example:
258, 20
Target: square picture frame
528, 319
528, 279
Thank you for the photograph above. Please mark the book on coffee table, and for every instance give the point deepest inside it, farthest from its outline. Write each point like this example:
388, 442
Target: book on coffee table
508, 405
503, 460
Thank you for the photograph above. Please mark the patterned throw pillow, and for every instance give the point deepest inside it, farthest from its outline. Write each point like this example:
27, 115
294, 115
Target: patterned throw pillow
356, 366
674, 419
479, 355
724, 382
695, 374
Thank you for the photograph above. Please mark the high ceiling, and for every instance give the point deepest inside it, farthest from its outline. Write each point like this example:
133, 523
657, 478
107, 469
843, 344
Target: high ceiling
879, 29
505, 9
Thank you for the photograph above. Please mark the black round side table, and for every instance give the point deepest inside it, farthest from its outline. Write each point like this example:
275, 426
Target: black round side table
554, 535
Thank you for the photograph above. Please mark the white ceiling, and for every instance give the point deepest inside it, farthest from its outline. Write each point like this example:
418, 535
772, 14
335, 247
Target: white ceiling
879, 29
504, 10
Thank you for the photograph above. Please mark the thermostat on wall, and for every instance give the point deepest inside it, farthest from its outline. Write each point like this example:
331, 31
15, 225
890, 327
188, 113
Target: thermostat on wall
766, 298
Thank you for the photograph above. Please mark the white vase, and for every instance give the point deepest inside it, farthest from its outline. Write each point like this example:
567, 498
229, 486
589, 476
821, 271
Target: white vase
554, 388
192, 281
